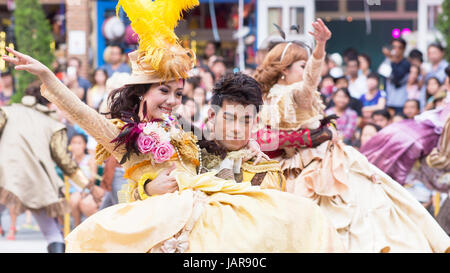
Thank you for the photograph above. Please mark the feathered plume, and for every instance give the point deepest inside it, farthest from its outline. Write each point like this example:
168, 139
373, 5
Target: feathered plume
154, 22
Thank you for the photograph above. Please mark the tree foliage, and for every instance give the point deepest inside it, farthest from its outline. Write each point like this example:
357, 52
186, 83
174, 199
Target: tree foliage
444, 26
33, 37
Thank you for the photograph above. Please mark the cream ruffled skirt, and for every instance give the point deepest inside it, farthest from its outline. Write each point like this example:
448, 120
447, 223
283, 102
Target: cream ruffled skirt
209, 214
370, 211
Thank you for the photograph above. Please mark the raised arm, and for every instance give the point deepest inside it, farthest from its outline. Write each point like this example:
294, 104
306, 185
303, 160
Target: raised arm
311, 74
78, 112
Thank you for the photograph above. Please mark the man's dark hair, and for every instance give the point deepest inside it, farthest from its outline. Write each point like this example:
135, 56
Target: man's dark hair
76, 59
382, 112
447, 70
416, 54
437, 45
117, 45
239, 88
350, 53
367, 57
353, 59
400, 40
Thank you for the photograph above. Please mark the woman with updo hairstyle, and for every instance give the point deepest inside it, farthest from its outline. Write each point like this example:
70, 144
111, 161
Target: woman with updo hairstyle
370, 210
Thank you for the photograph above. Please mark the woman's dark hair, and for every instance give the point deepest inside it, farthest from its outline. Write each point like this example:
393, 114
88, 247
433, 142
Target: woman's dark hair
239, 88
447, 70
426, 86
84, 137
345, 91
34, 89
367, 57
126, 99
382, 112
195, 81
95, 72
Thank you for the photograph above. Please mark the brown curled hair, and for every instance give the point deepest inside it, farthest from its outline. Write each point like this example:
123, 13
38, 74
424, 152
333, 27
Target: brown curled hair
270, 71
125, 99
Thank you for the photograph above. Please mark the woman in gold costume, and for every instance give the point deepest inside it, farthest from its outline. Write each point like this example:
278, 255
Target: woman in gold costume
370, 211
172, 208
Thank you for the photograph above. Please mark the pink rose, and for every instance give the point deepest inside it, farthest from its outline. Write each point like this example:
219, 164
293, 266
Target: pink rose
163, 152
146, 143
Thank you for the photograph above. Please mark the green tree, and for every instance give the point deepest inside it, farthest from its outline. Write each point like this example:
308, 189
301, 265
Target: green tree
444, 26
33, 37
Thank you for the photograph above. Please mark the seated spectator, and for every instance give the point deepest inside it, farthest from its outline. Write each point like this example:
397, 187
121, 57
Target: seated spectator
187, 109
190, 84
397, 118
6, 88
411, 108
218, 67
381, 118
348, 118
432, 87
84, 202
201, 106
413, 83
113, 56
326, 87
341, 82
364, 64
74, 80
368, 131
374, 99
357, 84
97, 93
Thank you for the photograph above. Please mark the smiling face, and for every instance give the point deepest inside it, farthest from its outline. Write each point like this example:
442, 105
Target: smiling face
161, 99
233, 124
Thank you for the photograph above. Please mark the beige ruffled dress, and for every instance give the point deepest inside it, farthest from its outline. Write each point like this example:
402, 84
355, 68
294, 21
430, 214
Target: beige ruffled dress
370, 211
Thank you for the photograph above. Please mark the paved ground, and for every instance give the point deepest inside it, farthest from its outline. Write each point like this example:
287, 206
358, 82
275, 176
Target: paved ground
27, 239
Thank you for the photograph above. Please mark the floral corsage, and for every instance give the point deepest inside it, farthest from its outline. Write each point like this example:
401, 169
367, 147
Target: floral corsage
141, 137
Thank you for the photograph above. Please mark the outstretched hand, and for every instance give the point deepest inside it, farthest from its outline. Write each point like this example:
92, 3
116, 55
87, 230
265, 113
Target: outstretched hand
321, 32
25, 63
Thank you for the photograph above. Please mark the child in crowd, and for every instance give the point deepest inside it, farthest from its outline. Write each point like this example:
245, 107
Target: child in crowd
381, 118
412, 85
411, 108
348, 118
374, 99
433, 86
84, 202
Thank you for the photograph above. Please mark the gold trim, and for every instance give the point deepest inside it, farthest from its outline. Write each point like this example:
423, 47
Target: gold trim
267, 166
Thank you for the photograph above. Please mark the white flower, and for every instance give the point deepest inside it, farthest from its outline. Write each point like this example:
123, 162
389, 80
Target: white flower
155, 128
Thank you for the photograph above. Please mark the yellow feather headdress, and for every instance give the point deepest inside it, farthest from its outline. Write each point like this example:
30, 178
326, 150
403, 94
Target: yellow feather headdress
159, 56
